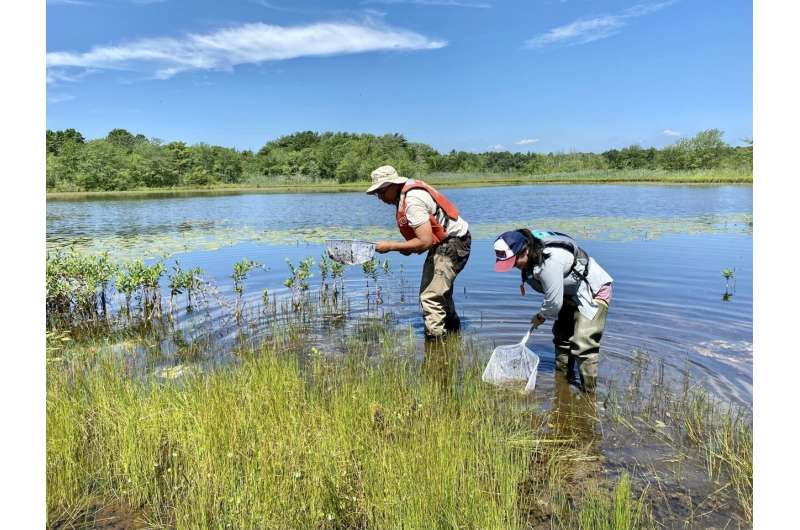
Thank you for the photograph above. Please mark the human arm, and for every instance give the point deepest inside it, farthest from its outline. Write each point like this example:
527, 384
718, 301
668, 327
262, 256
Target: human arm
551, 278
422, 241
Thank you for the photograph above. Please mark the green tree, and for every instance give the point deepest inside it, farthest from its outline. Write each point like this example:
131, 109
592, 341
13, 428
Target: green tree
179, 159
708, 149
153, 166
199, 176
103, 166
56, 139
124, 140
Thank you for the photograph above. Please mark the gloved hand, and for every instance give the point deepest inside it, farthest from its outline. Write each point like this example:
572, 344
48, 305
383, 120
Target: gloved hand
537, 320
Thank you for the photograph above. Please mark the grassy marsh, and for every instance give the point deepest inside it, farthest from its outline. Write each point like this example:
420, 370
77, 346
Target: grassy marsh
444, 180
288, 432
291, 436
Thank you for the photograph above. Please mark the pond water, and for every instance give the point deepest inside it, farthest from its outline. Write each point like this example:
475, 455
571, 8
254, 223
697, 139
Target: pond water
665, 246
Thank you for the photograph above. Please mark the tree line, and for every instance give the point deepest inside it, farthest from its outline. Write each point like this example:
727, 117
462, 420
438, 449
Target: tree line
123, 160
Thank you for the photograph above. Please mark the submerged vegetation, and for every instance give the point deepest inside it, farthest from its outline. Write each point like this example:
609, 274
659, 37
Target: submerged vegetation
127, 161
191, 236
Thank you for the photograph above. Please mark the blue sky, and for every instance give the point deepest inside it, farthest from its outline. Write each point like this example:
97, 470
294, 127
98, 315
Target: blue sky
477, 75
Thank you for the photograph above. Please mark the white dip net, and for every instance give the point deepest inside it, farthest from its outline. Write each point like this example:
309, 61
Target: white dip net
350, 251
513, 366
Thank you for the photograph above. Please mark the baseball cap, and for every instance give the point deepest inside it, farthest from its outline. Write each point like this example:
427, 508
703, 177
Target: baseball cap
506, 248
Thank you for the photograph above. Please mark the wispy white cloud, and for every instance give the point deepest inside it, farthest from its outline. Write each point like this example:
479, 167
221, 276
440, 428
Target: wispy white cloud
446, 3
527, 141
59, 75
497, 147
246, 44
587, 30
670, 132
58, 98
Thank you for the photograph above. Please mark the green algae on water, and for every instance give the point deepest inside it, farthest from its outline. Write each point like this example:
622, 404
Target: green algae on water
191, 237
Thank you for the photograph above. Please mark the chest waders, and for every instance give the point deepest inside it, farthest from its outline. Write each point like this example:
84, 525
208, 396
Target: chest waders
575, 337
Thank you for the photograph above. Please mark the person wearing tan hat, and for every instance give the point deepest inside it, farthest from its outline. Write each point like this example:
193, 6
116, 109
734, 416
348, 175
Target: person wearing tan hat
427, 221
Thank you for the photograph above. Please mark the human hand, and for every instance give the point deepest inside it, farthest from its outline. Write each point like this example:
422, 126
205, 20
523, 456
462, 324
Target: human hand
537, 320
382, 247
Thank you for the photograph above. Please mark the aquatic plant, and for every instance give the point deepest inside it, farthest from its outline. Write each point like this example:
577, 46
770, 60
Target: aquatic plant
222, 234
729, 274
140, 282
324, 269
186, 281
298, 280
365, 440
77, 286
370, 270
241, 269
337, 275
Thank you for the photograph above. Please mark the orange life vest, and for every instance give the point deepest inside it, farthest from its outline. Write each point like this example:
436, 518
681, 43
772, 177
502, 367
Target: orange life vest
439, 231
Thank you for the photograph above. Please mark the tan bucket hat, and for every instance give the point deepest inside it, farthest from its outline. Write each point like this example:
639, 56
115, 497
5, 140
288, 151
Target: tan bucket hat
383, 176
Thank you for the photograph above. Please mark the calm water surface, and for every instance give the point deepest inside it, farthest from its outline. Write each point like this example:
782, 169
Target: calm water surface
665, 246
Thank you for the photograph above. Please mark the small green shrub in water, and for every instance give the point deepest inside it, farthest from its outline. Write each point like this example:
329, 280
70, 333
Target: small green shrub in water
77, 286
370, 269
324, 271
337, 274
141, 283
241, 269
298, 280
182, 280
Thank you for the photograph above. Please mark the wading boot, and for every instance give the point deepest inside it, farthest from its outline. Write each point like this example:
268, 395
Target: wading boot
452, 324
565, 363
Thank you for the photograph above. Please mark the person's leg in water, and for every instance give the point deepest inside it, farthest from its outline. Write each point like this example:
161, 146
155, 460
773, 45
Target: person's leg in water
437, 277
574, 411
442, 265
585, 345
563, 329
440, 364
458, 250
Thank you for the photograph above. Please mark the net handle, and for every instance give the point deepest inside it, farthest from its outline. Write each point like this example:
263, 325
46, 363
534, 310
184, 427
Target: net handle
527, 335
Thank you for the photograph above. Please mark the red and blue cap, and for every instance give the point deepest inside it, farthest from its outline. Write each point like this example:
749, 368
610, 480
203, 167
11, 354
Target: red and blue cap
506, 248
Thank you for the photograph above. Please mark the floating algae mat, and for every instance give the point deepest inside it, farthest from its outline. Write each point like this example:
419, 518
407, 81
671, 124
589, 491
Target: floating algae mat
190, 237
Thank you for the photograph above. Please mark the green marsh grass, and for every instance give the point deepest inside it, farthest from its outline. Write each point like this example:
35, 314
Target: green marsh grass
444, 180
350, 445
365, 436
361, 435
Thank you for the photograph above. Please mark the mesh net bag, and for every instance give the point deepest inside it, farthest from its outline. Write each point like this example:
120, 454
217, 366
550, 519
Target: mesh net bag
350, 251
512, 366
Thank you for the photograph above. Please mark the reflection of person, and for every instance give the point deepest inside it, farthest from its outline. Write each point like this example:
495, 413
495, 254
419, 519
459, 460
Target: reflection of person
576, 292
574, 413
427, 221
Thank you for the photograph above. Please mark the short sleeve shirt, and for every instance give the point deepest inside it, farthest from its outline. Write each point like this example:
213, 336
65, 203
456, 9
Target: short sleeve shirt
420, 205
